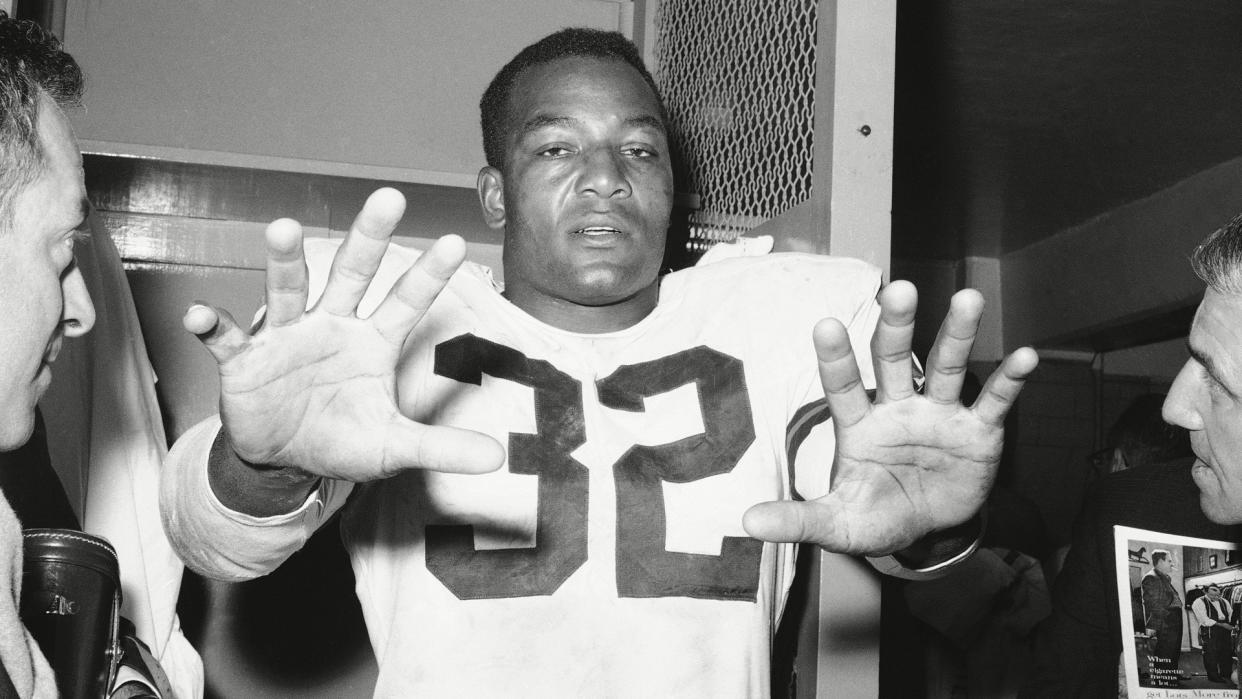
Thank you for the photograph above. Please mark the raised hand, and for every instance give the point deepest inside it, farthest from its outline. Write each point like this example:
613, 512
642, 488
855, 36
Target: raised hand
315, 390
906, 463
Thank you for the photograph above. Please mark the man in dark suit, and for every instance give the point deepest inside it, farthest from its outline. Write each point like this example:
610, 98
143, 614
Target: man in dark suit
1163, 608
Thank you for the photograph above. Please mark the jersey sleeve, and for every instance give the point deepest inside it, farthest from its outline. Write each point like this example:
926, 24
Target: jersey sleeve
221, 543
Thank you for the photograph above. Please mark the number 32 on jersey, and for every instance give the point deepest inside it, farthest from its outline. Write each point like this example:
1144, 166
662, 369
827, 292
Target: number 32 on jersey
644, 567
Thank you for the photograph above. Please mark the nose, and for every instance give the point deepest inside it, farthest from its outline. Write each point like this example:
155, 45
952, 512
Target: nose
1179, 406
604, 175
78, 315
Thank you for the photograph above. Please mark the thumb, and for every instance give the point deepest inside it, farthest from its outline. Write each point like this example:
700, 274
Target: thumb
216, 329
410, 445
793, 522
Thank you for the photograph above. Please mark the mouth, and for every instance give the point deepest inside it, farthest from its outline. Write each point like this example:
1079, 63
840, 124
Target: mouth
1201, 469
597, 231
53, 350
43, 378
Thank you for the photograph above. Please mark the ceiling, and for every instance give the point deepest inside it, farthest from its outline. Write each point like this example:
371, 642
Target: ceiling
1016, 120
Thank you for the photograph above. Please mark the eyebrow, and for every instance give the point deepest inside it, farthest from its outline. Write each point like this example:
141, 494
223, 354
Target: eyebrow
1206, 362
540, 121
646, 120
84, 211
80, 231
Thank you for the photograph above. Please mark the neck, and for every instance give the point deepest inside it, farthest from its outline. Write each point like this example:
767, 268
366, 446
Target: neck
583, 318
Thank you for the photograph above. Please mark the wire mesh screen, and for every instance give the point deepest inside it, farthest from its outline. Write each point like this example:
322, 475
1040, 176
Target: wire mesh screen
739, 82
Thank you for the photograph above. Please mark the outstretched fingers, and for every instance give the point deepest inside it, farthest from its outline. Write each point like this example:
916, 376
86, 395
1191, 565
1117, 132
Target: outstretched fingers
286, 282
359, 256
1003, 386
414, 292
217, 330
947, 362
891, 342
838, 372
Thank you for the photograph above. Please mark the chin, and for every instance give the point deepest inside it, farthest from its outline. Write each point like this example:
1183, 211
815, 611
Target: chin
606, 289
1220, 509
16, 430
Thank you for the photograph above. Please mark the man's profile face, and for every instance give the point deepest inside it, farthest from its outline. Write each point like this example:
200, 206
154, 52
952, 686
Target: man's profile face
42, 295
1165, 565
1206, 398
587, 185
1213, 593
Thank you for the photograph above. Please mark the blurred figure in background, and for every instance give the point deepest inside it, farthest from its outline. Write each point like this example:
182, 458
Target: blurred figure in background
983, 613
1140, 437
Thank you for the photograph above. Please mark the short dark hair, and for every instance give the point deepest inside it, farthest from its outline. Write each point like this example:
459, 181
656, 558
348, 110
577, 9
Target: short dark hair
1144, 437
1157, 556
1218, 259
32, 64
567, 43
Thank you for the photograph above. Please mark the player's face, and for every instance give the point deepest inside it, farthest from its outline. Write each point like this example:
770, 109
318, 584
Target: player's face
585, 195
42, 296
1206, 398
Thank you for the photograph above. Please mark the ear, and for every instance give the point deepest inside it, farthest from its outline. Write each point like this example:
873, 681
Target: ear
491, 188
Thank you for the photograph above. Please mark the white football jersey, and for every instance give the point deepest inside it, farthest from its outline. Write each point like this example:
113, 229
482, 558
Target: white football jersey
606, 558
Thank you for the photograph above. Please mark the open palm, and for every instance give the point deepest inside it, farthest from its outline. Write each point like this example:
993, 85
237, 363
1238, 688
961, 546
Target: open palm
315, 389
907, 463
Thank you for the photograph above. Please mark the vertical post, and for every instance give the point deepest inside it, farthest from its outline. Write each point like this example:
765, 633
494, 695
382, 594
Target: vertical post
850, 214
853, 181
645, 29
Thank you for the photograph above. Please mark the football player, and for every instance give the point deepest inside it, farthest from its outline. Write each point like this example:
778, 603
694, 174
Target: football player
587, 482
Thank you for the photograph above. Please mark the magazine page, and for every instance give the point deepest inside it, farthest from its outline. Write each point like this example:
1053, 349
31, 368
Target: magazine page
1180, 599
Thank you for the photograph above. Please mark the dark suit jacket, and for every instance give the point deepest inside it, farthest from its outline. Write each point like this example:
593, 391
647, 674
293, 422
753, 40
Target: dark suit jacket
1159, 596
1078, 646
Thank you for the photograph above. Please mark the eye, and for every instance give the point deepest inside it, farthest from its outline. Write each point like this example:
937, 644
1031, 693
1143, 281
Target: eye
640, 152
65, 245
1215, 386
553, 152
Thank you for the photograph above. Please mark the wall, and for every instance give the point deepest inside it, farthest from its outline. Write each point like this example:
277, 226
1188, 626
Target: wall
1120, 268
386, 89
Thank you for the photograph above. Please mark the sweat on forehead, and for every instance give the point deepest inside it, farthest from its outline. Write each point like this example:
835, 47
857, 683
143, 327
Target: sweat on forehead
567, 43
